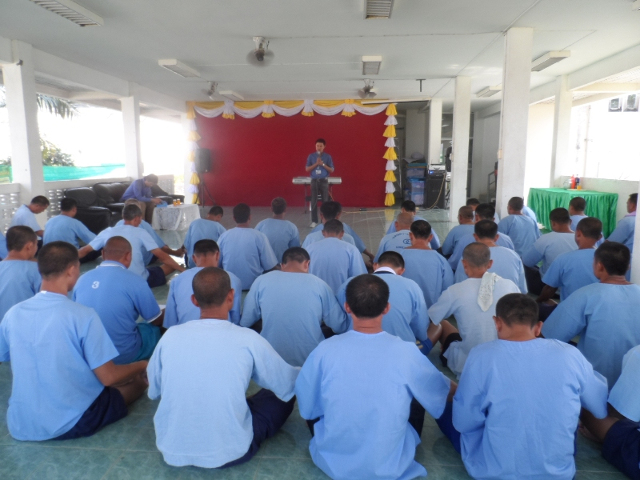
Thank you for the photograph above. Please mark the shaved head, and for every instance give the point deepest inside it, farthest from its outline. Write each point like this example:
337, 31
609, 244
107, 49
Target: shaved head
477, 254
211, 285
405, 220
116, 248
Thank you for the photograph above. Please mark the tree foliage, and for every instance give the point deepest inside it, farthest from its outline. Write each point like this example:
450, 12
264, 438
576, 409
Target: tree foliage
53, 156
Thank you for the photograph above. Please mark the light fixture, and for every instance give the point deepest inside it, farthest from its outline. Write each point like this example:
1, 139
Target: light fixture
549, 59
371, 65
231, 95
635, 5
71, 11
489, 91
377, 9
178, 67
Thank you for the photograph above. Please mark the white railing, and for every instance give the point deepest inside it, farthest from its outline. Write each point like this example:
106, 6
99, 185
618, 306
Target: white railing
9, 203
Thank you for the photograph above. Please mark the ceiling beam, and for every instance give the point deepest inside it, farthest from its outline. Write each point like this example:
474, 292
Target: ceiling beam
92, 95
594, 98
609, 88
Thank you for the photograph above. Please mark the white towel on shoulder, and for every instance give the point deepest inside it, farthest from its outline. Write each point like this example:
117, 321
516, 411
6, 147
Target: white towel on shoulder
485, 295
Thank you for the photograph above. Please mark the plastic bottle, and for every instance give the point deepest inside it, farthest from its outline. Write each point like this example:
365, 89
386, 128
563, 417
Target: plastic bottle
578, 183
573, 182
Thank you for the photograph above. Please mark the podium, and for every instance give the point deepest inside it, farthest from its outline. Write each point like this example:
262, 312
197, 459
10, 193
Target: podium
304, 181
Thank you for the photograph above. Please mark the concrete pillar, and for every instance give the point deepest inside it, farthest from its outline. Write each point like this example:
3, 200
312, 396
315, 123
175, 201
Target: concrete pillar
131, 123
514, 115
435, 131
22, 109
561, 130
460, 146
415, 129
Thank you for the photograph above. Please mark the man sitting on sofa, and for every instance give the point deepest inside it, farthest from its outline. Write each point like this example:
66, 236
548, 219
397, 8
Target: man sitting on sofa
141, 190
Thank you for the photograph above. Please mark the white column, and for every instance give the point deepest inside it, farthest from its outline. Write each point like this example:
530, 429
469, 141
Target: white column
435, 131
514, 116
22, 109
460, 146
186, 128
561, 129
415, 129
635, 259
131, 123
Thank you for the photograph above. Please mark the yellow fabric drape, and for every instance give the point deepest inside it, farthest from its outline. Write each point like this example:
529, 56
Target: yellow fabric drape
390, 131
391, 110
390, 176
390, 154
389, 200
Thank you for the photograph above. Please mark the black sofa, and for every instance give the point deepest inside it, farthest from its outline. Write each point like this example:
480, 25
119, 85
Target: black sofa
99, 206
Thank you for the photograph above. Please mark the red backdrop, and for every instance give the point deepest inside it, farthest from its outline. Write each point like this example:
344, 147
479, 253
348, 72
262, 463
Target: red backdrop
255, 159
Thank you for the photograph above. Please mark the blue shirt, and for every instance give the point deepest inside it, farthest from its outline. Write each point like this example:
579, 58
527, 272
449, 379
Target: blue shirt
148, 256
625, 393
66, 229
521, 229
360, 386
506, 264
454, 236
334, 261
407, 317
26, 217
571, 271
282, 234
347, 230
624, 232
518, 421
605, 316
3, 246
575, 219
53, 345
246, 253
119, 297
201, 229
435, 241
139, 239
201, 370
292, 307
319, 171
530, 213
429, 270
137, 190
180, 309
394, 242
503, 241
547, 248
317, 236
19, 280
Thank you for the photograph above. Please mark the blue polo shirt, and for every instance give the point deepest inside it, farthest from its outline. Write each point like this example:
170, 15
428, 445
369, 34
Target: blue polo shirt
282, 234
66, 229
3, 247
19, 280
347, 230
201, 229
319, 172
137, 190
625, 231
26, 217
148, 256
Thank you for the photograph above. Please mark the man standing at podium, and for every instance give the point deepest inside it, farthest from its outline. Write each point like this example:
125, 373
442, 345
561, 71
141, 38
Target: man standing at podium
320, 165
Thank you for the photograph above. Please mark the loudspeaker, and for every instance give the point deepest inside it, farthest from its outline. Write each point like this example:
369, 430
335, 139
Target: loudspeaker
434, 190
203, 160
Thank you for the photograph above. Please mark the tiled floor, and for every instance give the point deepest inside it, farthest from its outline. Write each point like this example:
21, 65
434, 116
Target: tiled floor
126, 450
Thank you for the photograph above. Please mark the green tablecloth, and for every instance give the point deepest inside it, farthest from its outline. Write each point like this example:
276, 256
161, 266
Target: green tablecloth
601, 205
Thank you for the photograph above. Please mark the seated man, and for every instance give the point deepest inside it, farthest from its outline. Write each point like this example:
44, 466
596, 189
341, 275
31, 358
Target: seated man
146, 226
19, 277
522, 230
333, 211
3, 246
473, 303
65, 228
244, 251
332, 260
398, 240
577, 206
506, 263
65, 384
119, 297
465, 227
26, 214
207, 365
619, 432
208, 228
293, 305
474, 202
625, 229
603, 314
572, 270
140, 190
180, 309
407, 317
547, 248
359, 387
535, 388
424, 265
282, 234
409, 207
484, 211
140, 242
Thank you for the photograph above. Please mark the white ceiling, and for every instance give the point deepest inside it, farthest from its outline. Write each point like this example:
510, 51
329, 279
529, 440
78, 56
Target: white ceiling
318, 43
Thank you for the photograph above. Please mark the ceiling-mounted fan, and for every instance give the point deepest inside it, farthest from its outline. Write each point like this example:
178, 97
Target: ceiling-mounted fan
213, 86
260, 56
367, 90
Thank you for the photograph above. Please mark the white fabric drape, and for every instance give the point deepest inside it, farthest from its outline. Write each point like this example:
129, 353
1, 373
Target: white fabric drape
308, 106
